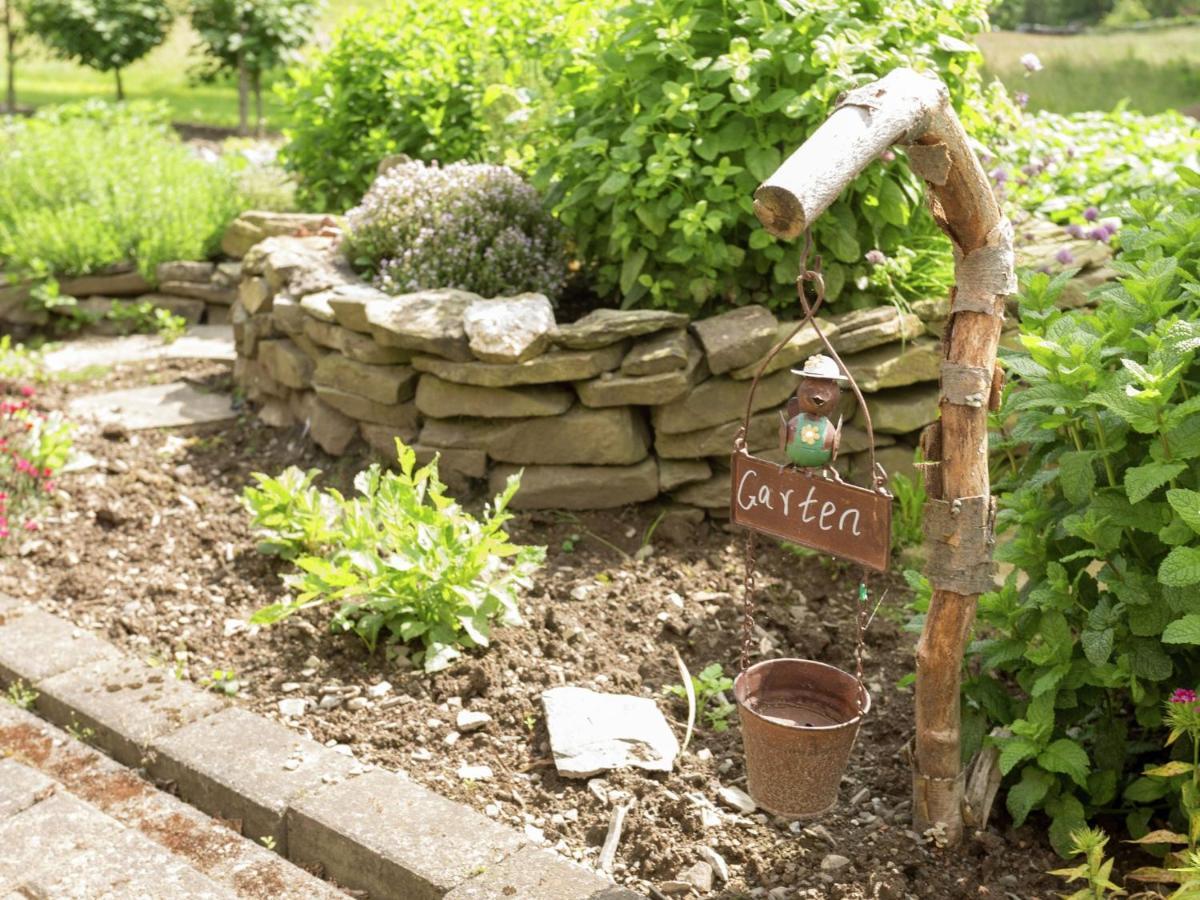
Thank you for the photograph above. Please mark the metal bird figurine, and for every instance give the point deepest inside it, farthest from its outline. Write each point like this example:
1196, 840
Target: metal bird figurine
809, 437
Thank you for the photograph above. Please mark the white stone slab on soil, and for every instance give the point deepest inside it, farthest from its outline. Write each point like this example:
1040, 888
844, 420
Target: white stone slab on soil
592, 733
153, 406
198, 342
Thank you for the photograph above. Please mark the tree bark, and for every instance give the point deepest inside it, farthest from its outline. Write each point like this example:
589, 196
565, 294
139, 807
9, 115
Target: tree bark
10, 59
259, 125
120, 87
243, 96
913, 110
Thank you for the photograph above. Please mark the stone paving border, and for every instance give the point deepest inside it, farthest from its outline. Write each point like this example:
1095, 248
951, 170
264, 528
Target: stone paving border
372, 831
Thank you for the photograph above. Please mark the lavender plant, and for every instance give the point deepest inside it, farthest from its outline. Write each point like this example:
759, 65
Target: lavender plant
474, 227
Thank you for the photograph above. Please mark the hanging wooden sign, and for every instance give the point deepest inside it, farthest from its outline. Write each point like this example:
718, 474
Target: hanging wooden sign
803, 507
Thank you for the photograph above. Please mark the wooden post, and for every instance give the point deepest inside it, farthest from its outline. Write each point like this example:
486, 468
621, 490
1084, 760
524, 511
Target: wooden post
913, 111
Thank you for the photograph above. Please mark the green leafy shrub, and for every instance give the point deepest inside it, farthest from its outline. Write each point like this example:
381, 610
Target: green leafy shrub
106, 35
432, 80
691, 103
1095, 870
1102, 515
404, 562
92, 187
474, 227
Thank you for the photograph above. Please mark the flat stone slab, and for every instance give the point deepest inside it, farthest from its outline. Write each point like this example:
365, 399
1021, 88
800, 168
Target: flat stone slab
509, 329
592, 732
447, 399
202, 841
619, 389
392, 838
21, 787
579, 487
35, 645
613, 436
736, 338
274, 766
798, 348
719, 400
602, 327
154, 406
658, 353
550, 367
126, 703
213, 342
534, 873
66, 849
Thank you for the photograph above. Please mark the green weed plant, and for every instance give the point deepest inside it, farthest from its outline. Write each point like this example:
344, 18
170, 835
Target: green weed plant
402, 561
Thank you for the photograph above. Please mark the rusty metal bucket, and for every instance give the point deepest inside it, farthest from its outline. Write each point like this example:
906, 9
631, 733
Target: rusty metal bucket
799, 721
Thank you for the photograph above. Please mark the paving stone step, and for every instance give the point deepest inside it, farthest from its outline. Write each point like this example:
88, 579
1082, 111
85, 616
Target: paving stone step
241, 779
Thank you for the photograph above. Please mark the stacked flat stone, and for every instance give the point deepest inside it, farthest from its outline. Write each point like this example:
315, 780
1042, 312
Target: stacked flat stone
619, 407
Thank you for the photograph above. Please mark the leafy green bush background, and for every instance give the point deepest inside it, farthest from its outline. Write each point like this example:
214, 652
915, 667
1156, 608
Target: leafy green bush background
89, 186
1101, 515
688, 104
433, 80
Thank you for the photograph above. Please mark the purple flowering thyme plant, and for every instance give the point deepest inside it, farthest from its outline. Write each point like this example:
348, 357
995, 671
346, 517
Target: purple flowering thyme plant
473, 227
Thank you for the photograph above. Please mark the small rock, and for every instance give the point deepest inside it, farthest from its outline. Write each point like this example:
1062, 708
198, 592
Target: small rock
704, 754
469, 720
592, 732
380, 690
312, 662
709, 817
736, 798
330, 701
833, 862
860, 796
491, 810
290, 687
535, 834
422, 755
599, 789
675, 888
475, 773
451, 739
720, 868
580, 592
292, 707
699, 876
358, 703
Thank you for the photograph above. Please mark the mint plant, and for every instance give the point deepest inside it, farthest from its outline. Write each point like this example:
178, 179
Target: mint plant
1100, 508
681, 111
404, 562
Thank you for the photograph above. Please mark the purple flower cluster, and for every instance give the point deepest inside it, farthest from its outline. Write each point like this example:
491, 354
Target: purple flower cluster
473, 227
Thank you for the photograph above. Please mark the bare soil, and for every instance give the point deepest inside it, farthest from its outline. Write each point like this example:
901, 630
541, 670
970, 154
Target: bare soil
152, 548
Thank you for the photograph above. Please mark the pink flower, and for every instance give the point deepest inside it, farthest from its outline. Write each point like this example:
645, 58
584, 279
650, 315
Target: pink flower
1183, 695
32, 525
26, 391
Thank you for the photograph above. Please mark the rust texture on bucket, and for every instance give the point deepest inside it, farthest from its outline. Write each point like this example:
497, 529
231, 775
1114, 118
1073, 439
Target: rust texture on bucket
799, 721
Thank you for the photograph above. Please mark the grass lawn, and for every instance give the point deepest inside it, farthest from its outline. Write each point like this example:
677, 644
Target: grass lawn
1155, 70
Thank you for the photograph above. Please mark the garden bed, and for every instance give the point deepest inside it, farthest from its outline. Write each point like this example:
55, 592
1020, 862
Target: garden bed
154, 551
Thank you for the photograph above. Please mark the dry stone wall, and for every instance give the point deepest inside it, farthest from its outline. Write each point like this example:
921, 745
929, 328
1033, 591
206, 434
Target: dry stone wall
619, 407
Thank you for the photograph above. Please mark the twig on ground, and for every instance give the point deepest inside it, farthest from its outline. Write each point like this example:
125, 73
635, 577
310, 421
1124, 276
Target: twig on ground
608, 853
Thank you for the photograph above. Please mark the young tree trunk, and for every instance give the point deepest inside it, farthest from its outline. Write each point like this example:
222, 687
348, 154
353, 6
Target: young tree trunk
10, 59
259, 123
243, 96
914, 110
120, 87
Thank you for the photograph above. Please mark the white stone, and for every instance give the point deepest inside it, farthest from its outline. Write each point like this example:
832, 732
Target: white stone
592, 732
290, 687
356, 703
716, 861
509, 329
699, 876
292, 707
330, 701
833, 862
736, 798
535, 834
469, 720
380, 690
475, 773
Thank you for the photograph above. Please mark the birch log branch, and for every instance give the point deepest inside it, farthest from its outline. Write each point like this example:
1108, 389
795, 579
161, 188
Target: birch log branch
914, 111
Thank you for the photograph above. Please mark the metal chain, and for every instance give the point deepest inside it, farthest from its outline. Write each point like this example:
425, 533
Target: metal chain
863, 621
748, 601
